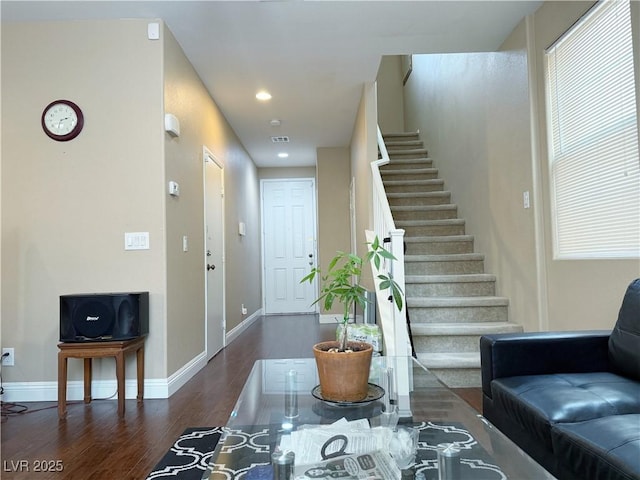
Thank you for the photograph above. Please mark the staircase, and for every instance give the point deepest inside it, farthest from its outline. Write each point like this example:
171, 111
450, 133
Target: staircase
451, 301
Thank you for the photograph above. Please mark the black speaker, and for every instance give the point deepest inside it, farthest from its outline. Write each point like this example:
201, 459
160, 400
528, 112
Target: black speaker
103, 317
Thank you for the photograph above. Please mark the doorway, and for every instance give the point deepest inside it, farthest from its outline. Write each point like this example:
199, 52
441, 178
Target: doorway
288, 244
215, 324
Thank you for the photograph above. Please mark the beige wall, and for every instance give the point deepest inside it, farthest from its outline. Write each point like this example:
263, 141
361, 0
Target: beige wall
364, 150
586, 293
242, 204
202, 123
334, 222
283, 172
66, 206
185, 98
389, 94
473, 118
477, 114
339, 171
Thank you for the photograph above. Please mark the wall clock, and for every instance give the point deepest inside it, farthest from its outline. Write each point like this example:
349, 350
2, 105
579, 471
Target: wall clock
62, 120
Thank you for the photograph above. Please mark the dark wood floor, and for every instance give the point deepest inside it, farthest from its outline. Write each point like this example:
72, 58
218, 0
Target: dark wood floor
94, 443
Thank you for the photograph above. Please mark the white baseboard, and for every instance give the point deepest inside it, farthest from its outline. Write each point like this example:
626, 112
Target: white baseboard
100, 389
35, 391
103, 389
183, 375
242, 326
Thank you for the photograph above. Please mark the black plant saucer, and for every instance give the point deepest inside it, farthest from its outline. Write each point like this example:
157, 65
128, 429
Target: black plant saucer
375, 393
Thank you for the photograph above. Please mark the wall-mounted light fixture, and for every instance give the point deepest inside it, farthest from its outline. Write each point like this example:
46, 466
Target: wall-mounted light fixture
171, 124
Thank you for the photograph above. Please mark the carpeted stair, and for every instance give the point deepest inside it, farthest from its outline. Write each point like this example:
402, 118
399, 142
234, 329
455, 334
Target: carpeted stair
451, 300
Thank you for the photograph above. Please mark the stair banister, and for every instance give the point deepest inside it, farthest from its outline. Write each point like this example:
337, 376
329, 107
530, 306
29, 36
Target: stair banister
383, 222
394, 326
393, 320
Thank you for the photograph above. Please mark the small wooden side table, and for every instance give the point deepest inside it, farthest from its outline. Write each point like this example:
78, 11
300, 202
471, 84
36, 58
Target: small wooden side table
90, 350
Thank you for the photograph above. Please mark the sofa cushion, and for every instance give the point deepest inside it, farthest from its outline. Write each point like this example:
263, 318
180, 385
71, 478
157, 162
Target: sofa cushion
536, 402
624, 342
606, 448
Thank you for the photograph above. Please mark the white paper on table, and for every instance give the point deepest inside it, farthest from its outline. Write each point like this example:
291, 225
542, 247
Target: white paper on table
307, 442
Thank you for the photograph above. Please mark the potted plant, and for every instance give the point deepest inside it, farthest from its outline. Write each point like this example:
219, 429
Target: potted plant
343, 366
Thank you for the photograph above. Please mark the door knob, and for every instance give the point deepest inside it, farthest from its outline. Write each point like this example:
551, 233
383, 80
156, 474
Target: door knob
211, 267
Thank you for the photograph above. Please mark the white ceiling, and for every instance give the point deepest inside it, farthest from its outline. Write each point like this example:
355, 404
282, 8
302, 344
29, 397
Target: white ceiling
313, 56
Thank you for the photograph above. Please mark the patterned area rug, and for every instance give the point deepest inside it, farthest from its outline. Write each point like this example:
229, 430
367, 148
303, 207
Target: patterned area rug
248, 452
245, 453
189, 456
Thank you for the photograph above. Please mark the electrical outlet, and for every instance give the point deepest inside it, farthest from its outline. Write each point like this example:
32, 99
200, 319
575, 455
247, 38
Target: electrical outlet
9, 360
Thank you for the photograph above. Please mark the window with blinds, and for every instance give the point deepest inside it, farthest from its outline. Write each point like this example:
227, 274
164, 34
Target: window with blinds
593, 137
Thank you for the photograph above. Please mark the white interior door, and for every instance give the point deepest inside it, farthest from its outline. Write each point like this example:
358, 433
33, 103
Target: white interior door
214, 254
289, 244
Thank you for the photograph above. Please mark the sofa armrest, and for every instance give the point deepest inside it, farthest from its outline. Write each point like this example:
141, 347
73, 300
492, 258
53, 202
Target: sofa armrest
537, 353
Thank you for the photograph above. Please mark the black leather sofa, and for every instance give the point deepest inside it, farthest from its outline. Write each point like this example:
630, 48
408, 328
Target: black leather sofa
571, 400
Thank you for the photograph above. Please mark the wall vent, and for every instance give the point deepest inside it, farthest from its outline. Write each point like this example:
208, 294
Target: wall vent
280, 139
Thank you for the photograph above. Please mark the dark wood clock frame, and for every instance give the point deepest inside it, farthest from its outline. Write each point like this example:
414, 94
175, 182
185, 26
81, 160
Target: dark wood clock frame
73, 133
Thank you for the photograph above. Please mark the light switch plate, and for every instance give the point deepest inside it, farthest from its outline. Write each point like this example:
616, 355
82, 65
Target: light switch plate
136, 241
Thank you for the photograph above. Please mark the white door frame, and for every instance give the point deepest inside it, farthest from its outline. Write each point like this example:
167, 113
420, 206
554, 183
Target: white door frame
208, 156
315, 226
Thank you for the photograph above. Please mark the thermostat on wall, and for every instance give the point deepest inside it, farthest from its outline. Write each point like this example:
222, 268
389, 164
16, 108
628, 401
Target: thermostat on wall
174, 189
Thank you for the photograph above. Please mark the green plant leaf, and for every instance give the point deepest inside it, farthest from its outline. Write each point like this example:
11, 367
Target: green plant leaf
386, 254
397, 297
310, 277
356, 260
376, 261
341, 281
333, 262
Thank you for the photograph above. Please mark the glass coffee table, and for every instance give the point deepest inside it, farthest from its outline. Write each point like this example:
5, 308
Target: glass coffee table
263, 416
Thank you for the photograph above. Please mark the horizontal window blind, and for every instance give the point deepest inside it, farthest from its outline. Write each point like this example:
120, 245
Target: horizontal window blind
594, 161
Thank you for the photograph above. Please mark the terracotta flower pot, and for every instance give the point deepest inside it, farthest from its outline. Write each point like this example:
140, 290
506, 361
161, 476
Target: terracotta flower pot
344, 376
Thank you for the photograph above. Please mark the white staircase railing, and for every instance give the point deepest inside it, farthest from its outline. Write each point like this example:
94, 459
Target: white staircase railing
393, 320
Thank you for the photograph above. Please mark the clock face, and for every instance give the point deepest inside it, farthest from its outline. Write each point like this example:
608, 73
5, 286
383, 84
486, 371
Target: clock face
62, 120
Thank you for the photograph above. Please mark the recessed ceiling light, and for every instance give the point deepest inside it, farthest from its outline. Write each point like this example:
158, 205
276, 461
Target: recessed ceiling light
263, 95
275, 122
283, 155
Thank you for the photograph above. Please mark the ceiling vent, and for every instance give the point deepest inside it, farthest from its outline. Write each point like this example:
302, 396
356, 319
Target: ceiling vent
280, 139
